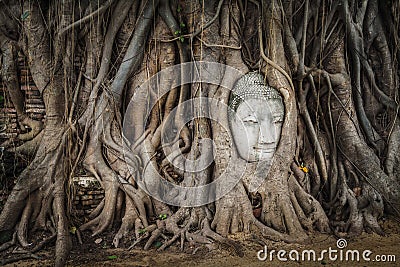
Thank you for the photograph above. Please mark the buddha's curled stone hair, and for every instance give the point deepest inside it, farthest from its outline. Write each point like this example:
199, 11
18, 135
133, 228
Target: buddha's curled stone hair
251, 86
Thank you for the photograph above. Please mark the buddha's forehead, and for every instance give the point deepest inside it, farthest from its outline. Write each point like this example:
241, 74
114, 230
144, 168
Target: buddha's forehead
258, 106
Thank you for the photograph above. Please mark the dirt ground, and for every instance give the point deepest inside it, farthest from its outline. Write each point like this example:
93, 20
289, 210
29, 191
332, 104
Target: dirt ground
102, 254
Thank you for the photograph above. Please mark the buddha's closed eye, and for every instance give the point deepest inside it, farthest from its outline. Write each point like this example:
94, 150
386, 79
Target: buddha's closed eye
250, 119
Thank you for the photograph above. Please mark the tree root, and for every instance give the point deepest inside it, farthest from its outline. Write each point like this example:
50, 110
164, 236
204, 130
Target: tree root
356, 211
10, 243
193, 218
38, 196
234, 214
308, 209
19, 258
35, 126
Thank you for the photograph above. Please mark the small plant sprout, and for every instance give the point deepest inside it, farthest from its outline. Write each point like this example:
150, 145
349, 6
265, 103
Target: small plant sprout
162, 216
142, 231
72, 230
158, 244
25, 15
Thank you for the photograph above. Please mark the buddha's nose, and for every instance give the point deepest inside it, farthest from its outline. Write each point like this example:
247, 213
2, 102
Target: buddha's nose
267, 133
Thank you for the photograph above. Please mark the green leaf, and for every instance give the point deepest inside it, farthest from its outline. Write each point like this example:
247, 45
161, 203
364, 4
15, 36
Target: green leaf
142, 231
72, 230
181, 39
113, 257
162, 216
179, 9
177, 32
25, 15
158, 244
182, 25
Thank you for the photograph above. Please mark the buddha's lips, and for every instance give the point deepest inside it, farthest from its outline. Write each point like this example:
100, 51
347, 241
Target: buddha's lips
264, 149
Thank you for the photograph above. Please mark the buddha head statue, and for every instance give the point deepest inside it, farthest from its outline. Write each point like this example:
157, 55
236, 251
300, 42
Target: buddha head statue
256, 114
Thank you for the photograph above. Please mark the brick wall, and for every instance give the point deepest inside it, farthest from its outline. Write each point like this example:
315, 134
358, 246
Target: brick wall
34, 105
87, 194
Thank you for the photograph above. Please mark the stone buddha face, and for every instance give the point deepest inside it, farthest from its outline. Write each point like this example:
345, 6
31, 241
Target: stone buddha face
256, 115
